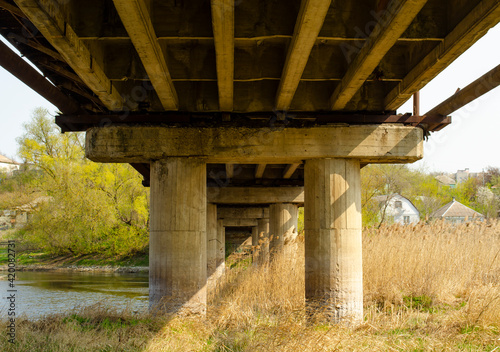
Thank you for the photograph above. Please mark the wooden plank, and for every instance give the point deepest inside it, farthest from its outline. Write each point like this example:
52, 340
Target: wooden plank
464, 96
223, 27
137, 21
382, 38
477, 22
46, 16
255, 195
369, 143
309, 22
229, 170
289, 170
259, 170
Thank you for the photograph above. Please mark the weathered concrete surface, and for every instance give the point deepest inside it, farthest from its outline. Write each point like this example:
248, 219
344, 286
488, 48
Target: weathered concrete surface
212, 248
240, 222
283, 222
243, 213
221, 249
178, 242
255, 195
368, 143
262, 244
333, 251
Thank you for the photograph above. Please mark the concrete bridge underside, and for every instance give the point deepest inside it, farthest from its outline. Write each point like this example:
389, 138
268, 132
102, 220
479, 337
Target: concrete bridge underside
248, 105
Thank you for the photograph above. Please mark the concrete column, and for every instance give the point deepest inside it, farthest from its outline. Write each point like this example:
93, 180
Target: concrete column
263, 241
283, 222
178, 242
212, 248
255, 244
221, 248
333, 255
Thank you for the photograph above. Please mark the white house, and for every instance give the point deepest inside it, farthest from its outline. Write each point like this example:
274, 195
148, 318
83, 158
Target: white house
397, 209
7, 165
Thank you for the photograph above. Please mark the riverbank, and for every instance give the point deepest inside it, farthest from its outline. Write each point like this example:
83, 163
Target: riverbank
40, 261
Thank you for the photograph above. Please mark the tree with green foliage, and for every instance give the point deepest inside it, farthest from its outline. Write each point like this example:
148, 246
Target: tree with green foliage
91, 208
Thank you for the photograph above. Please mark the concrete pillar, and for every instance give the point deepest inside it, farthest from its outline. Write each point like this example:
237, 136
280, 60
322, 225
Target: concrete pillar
283, 222
263, 241
255, 243
212, 248
333, 255
178, 242
221, 249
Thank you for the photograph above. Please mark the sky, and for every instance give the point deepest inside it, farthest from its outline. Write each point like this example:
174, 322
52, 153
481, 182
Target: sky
471, 141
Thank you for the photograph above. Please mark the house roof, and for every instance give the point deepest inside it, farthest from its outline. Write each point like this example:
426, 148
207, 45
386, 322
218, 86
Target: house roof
445, 179
455, 209
389, 197
5, 160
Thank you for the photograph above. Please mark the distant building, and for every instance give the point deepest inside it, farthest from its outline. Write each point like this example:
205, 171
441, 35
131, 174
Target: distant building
456, 213
446, 180
462, 175
8, 166
19, 216
398, 209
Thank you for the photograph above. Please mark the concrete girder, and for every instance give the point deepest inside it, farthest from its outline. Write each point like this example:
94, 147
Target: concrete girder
367, 143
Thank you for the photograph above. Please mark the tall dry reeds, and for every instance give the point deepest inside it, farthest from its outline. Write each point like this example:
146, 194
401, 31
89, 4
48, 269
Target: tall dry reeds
438, 263
427, 288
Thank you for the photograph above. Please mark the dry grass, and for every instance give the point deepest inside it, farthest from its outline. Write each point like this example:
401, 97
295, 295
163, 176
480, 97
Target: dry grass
427, 288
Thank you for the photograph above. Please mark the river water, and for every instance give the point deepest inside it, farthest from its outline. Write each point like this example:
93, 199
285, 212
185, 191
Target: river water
42, 293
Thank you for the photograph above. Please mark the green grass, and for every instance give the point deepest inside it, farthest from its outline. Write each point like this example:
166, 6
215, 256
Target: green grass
41, 258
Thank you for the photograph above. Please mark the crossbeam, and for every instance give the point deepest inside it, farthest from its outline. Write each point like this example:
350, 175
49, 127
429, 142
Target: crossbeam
255, 195
240, 222
243, 213
367, 143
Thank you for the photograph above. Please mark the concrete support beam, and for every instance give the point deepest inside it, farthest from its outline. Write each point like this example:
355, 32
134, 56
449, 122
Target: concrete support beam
283, 223
263, 241
309, 22
289, 170
137, 21
333, 254
255, 195
178, 242
368, 143
243, 213
396, 19
485, 15
46, 16
229, 171
259, 170
240, 222
255, 244
223, 27
212, 248
221, 249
